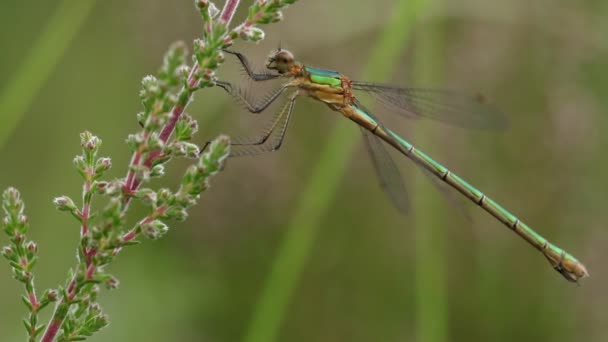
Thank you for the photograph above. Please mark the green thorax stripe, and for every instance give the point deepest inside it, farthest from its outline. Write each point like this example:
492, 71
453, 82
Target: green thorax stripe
321, 76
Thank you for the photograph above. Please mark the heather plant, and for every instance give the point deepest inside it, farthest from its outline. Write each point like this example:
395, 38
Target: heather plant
166, 134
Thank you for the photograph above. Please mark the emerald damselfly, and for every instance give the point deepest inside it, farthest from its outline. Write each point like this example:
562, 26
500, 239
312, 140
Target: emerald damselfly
337, 91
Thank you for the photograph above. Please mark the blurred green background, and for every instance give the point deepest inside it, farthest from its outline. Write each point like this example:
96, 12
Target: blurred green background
364, 272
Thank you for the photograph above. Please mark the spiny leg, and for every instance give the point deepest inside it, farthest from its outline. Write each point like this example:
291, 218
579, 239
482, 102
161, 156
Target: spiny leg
282, 119
258, 140
261, 139
237, 93
266, 133
252, 108
247, 66
281, 123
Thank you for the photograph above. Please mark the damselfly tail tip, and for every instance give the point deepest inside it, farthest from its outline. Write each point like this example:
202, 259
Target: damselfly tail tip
572, 272
584, 271
567, 265
583, 274
579, 270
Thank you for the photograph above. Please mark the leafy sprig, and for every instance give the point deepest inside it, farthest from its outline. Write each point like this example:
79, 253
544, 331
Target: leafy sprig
166, 133
22, 255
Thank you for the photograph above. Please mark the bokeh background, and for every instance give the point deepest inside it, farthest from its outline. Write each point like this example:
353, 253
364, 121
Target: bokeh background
290, 247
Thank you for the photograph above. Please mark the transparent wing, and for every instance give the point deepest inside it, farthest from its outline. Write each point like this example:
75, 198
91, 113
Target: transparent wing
388, 174
441, 105
391, 179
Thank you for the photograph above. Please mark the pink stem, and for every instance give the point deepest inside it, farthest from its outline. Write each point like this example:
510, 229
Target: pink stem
33, 300
132, 234
131, 175
90, 272
132, 183
86, 209
228, 11
129, 236
165, 134
52, 330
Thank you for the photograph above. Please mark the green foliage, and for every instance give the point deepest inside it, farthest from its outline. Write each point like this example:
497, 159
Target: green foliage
261, 12
165, 134
22, 255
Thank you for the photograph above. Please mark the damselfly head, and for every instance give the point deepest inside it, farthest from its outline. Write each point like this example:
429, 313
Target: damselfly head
280, 60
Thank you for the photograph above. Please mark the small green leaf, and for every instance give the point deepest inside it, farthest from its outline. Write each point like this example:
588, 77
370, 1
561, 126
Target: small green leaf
27, 325
27, 303
39, 329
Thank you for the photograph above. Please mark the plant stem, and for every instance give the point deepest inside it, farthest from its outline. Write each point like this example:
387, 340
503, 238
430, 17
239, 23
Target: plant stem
61, 311
84, 215
131, 185
31, 294
229, 9
184, 97
61, 308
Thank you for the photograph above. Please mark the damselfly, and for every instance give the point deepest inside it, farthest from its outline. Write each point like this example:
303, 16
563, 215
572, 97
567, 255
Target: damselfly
336, 91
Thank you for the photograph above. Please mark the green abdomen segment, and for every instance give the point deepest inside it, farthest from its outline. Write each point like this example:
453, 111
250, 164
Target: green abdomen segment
320, 76
563, 262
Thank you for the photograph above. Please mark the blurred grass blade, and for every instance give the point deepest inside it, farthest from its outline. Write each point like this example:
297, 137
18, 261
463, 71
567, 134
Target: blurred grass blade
319, 192
431, 310
29, 77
